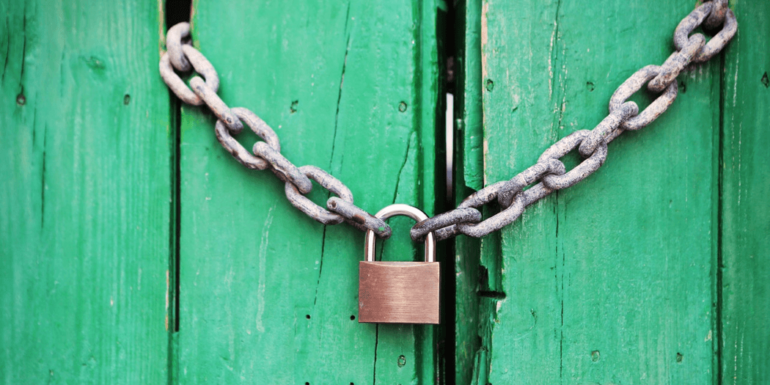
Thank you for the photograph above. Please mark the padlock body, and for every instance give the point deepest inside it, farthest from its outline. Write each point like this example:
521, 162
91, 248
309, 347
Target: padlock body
398, 292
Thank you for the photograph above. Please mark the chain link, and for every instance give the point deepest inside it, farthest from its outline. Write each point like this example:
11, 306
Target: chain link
182, 57
720, 40
549, 172
460, 215
176, 37
311, 209
527, 177
717, 15
359, 218
655, 109
177, 86
259, 127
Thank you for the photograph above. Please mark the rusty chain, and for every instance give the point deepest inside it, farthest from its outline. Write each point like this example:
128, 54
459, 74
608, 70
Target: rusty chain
549, 173
182, 57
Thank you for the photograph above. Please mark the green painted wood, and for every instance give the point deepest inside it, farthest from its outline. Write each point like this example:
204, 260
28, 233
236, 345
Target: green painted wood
470, 146
266, 293
745, 225
653, 270
612, 280
84, 194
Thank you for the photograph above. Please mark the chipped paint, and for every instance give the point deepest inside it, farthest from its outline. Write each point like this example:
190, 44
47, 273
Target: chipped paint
550, 58
262, 257
484, 40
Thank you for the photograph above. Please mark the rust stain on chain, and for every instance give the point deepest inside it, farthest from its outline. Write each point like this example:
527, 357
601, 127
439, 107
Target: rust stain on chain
549, 171
547, 175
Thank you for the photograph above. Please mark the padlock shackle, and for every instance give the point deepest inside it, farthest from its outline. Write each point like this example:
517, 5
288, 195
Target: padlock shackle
408, 211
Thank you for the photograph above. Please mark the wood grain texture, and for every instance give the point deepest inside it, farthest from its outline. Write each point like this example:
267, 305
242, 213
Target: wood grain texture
654, 270
745, 213
470, 147
612, 280
84, 194
266, 293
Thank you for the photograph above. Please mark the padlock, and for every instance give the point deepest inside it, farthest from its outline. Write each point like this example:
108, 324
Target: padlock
399, 292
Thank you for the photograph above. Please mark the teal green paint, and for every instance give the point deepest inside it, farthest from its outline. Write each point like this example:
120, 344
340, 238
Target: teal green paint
611, 280
653, 270
469, 73
265, 291
745, 260
84, 195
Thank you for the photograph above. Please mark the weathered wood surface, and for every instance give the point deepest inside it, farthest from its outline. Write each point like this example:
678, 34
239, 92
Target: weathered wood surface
654, 270
617, 279
744, 208
266, 292
84, 194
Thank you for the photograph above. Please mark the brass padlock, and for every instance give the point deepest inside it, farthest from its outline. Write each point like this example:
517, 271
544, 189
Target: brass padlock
399, 292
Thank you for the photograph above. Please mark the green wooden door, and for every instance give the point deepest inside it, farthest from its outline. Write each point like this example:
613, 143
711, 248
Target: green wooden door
265, 291
655, 269
134, 249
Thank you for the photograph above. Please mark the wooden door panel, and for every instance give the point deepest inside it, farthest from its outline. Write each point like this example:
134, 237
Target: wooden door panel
654, 269
84, 195
266, 292
612, 280
745, 185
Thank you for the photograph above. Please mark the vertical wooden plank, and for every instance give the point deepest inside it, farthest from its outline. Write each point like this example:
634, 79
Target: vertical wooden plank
745, 186
84, 195
516, 52
266, 292
469, 71
609, 281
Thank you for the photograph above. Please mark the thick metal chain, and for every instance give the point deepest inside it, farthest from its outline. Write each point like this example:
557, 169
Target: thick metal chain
549, 172
182, 57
